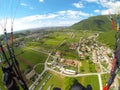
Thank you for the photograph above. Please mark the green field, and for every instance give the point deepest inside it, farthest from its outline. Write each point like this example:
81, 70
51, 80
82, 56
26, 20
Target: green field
1, 84
39, 68
53, 41
34, 57
41, 81
61, 41
68, 53
105, 78
87, 66
56, 80
107, 38
92, 80
30, 58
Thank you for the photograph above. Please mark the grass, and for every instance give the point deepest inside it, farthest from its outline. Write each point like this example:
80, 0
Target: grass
34, 57
56, 80
39, 68
30, 57
104, 64
1, 84
68, 53
42, 81
92, 80
104, 78
107, 38
22, 65
54, 40
57, 37
87, 66
119, 81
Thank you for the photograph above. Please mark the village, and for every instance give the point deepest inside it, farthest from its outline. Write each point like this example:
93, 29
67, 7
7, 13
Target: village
90, 52
87, 49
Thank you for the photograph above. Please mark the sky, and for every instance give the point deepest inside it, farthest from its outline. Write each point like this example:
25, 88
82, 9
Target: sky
26, 14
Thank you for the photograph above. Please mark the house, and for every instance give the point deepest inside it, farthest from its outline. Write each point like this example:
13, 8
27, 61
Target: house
62, 60
73, 46
58, 53
83, 49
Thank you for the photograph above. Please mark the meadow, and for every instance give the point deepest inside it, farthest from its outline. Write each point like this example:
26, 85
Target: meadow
87, 66
29, 58
58, 80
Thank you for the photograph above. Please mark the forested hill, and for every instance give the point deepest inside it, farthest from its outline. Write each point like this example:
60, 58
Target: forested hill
98, 23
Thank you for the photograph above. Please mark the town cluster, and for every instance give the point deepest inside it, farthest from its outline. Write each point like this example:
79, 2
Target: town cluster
88, 49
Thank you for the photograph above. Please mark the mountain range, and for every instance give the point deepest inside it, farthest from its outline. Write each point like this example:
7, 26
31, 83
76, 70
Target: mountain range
97, 23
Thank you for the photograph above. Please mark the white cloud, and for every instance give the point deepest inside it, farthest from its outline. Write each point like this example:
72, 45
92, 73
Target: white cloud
76, 14
38, 17
61, 12
42, 23
107, 12
20, 25
110, 5
24, 4
96, 1
96, 11
78, 5
41, 0
68, 14
72, 14
60, 18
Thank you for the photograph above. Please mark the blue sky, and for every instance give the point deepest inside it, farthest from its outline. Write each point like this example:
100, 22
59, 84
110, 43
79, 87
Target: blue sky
47, 13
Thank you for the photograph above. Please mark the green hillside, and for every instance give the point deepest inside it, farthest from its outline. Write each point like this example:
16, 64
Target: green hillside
97, 23
107, 38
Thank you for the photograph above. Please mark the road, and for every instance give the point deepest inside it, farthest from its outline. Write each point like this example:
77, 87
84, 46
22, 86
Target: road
39, 51
100, 81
